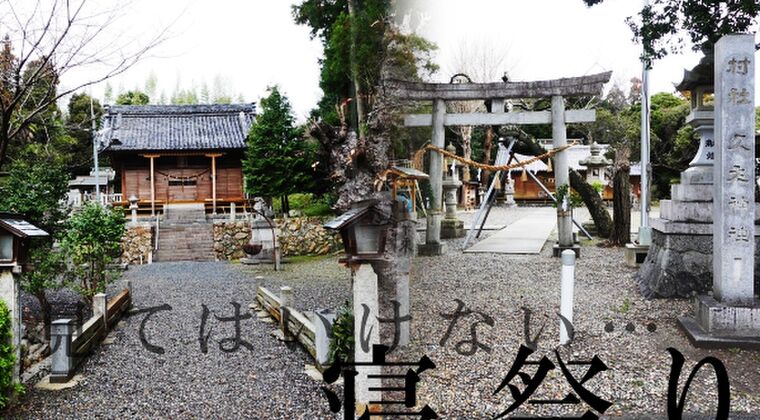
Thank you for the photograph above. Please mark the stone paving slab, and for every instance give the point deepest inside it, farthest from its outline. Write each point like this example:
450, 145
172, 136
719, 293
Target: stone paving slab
527, 235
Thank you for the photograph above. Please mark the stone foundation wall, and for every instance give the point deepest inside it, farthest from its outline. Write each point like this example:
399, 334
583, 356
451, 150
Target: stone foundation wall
680, 266
298, 236
229, 238
306, 236
137, 242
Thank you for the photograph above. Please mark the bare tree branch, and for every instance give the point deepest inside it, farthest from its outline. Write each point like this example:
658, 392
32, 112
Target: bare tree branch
52, 39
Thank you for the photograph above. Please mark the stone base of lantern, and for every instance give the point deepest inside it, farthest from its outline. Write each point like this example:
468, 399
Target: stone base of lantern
557, 250
431, 250
635, 254
679, 261
452, 228
718, 325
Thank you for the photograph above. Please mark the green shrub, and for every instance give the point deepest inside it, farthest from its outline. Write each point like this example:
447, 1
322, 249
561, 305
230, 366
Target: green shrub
597, 186
8, 388
308, 204
300, 201
342, 339
318, 209
93, 240
574, 199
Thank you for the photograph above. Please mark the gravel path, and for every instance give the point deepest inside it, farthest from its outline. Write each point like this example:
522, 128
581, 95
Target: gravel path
124, 380
606, 295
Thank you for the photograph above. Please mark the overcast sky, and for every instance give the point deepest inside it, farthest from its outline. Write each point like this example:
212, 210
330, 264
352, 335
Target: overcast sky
254, 44
546, 39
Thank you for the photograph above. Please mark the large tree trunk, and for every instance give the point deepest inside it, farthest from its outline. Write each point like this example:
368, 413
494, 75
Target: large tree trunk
593, 202
358, 98
466, 151
487, 147
590, 197
621, 201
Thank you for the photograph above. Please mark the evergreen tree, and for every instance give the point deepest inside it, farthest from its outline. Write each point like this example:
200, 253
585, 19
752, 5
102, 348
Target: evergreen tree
278, 161
133, 97
663, 23
79, 127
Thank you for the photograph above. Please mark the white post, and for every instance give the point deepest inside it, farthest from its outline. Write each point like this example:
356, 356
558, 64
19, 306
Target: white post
323, 322
366, 293
128, 286
277, 255
568, 286
99, 308
645, 232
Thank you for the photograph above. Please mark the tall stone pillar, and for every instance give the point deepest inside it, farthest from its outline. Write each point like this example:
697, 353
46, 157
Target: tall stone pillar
731, 316
679, 262
562, 177
559, 139
734, 170
433, 245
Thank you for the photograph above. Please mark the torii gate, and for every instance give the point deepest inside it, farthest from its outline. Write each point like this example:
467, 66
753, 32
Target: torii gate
498, 92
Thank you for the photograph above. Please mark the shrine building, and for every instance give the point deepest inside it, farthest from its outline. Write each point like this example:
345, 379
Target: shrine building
166, 154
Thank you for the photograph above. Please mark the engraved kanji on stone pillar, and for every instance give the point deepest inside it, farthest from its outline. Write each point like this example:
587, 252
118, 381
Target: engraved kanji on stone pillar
734, 170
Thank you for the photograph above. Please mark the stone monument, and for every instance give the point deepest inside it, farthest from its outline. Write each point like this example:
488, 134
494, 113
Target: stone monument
730, 317
679, 261
451, 226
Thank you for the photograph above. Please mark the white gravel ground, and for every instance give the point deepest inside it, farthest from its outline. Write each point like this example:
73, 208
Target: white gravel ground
123, 380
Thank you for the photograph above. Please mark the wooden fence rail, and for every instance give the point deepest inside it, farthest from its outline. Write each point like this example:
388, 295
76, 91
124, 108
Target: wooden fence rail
296, 326
70, 345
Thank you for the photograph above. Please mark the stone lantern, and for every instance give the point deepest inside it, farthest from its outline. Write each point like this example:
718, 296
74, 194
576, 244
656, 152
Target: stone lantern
698, 82
451, 226
362, 230
15, 234
133, 208
596, 163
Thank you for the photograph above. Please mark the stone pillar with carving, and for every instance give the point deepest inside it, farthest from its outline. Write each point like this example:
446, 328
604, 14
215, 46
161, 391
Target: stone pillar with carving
730, 316
679, 261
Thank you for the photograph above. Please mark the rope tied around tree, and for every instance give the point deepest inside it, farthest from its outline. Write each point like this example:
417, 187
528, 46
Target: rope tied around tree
420, 154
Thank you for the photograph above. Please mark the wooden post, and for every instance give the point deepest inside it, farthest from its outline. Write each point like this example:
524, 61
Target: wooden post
213, 179
152, 186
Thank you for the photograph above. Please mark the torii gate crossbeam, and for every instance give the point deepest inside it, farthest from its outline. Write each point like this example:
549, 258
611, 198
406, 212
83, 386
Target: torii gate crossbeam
439, 93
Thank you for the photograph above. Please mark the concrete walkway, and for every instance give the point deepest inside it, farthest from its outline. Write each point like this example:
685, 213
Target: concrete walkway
527, 235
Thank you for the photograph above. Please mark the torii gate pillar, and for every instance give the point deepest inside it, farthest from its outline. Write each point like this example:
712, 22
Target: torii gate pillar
562, 177
433, 245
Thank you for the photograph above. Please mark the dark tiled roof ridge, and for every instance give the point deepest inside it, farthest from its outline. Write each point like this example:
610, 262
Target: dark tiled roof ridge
159, 110
176, 127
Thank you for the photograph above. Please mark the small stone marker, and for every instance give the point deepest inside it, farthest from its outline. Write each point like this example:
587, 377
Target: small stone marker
734, 204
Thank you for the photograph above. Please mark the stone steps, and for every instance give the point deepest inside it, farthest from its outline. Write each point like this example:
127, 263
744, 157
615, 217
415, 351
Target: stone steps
184, 213
185, 242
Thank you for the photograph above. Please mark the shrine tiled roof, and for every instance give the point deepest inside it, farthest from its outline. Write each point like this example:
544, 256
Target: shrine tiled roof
175, 127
